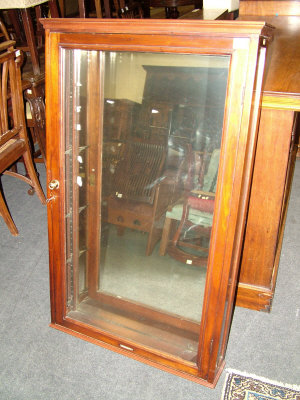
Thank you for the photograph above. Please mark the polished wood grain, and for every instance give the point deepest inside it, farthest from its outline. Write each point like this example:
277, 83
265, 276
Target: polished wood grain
262, 229
282, 82
269, 7
232, 195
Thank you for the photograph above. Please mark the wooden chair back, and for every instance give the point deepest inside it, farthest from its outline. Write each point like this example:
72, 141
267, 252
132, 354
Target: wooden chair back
139, 171
10, 106
14, 142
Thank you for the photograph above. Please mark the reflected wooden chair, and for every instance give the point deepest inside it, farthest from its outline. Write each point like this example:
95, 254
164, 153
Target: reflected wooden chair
14, 142
188, 240
139, 198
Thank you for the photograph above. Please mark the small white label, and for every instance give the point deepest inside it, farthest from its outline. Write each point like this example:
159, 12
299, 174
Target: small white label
78, 127
120, 195
79, 158
79, 181
190, 262
126, 347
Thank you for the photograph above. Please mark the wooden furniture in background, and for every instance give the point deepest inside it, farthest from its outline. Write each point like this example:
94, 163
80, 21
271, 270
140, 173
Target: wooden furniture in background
26, 29
34, 95
119, 116
165, 87
128, 9
32, 37
275, 157
83, 13
134, 201
189, 241
14, 142
191, 348
171, 6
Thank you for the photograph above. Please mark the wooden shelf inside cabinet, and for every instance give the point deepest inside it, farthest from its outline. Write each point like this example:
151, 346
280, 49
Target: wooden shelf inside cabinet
135, 134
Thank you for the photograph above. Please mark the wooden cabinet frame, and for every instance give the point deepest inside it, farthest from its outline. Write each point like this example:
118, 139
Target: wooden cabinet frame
245, 44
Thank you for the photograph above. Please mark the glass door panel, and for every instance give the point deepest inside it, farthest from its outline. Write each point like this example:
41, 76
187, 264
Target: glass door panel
143, 135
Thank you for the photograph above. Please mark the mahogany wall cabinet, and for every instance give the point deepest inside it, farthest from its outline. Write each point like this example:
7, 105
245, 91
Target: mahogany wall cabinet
148, 120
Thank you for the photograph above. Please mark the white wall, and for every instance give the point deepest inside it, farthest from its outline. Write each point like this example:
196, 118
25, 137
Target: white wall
231, 5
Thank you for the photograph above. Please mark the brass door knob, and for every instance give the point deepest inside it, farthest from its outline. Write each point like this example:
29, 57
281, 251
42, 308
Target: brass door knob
54, 184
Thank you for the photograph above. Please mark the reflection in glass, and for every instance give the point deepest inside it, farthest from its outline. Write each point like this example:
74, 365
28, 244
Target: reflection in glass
143, 136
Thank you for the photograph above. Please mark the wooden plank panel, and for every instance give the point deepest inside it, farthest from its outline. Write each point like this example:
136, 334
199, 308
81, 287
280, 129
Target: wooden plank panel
282, 82
267, 7
266, 197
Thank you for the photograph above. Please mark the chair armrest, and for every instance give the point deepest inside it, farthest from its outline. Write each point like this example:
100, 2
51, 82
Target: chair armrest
200, 193
7, 44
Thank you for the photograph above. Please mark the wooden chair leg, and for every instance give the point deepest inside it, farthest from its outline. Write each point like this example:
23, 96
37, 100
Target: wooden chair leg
153, 237
82, 9
33, 176
165, 236
31, 41
185, 213
19, 34
7, 217
98, 8
54, 9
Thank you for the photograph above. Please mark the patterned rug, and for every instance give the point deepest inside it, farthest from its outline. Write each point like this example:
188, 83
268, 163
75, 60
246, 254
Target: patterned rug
239, 386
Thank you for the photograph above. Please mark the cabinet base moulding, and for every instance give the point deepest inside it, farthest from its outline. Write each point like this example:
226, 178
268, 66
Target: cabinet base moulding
255, 298
128, 352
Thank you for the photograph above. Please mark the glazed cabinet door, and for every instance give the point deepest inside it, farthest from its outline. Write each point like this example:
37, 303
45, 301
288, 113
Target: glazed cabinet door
151, 138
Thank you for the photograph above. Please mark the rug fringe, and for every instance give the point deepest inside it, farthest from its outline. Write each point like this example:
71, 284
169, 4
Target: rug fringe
262, 379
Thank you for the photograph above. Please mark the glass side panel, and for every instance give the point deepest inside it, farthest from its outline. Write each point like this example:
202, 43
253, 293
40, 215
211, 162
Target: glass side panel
142, 144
